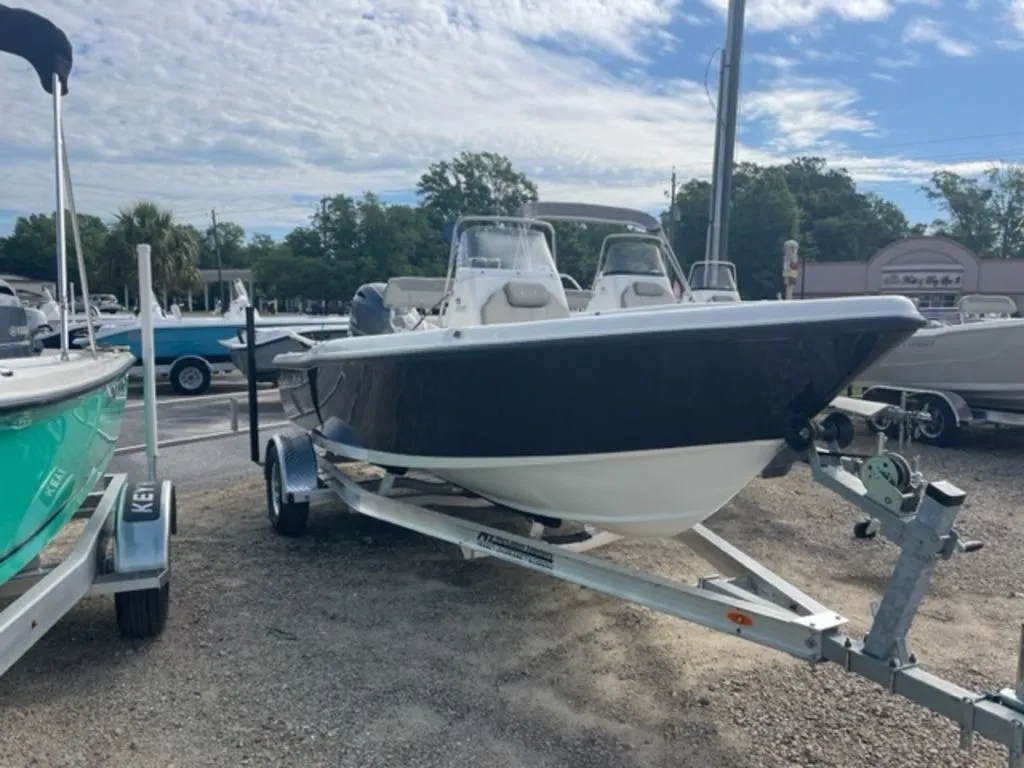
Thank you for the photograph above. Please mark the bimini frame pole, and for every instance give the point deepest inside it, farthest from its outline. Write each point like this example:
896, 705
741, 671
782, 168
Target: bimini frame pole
148, 362
62, 254
79, 253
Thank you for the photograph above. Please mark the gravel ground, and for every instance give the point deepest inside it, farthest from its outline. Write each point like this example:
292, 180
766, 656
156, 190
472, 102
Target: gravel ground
363, 645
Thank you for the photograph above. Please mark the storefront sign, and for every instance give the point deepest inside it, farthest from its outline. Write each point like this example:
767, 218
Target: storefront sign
923, 280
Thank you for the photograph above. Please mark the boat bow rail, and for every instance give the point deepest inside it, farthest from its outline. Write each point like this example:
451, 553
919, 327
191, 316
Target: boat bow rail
744, 599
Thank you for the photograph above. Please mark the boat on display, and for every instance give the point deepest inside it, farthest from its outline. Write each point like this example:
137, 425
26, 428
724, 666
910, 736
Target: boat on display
712, 280
270, 342
977, 357
617, 418
60, 410
49, 335
178, 336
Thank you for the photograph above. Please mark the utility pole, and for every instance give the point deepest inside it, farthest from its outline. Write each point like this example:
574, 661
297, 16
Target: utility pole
323, 225
725, 134
672, 214
220, 265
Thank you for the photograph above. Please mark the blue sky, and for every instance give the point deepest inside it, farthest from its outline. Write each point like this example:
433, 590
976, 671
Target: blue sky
256, 107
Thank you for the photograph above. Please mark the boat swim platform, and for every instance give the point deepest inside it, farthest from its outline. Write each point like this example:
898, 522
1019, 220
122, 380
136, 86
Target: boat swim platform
744, 598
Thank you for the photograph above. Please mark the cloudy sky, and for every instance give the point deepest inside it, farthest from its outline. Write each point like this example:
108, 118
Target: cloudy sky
259, 107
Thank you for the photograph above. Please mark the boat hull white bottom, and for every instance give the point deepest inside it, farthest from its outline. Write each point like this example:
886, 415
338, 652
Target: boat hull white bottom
643, 494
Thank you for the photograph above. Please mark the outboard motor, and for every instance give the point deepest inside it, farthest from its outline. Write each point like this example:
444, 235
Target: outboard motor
368, 315
15, 329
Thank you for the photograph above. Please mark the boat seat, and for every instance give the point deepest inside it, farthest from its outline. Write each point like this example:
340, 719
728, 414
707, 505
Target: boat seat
518, 301
645, 293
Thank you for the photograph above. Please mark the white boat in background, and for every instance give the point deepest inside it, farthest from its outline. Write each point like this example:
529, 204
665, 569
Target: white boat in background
714, 281
980, 358
49, 333
271, 342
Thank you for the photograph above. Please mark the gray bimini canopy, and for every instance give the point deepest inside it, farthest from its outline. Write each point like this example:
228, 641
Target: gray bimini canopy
604, 214
40, 42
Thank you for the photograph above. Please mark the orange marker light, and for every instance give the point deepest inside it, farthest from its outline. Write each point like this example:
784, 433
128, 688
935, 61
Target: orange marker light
739, 618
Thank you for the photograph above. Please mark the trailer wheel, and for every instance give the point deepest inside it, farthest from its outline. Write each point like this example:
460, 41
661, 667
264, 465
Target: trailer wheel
142, 614
942, 428
287, 517
190, 376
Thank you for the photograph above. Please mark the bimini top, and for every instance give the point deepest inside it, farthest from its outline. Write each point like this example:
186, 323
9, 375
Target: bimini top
607, 214
40, 42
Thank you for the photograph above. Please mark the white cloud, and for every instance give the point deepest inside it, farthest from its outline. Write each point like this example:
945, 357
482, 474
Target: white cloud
898, 62
1017, 15
772, 60
254, 106
923, 30
780, 14
807, 112
883, 77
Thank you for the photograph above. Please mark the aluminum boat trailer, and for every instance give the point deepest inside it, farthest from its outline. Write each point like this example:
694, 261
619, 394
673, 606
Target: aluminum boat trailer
123, 550
745, 599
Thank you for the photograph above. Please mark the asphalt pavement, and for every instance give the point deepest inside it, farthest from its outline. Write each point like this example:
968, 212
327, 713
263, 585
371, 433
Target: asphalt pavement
203, 464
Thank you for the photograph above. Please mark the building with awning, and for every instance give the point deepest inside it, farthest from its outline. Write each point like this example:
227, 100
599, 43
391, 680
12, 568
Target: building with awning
933, 271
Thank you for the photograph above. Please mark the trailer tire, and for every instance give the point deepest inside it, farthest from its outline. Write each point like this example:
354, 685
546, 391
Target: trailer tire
142, 614
287, 516
943, 430
190, 376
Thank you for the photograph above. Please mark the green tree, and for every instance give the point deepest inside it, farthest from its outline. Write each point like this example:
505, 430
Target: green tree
234, 254
31, 249
763, 217
986, 214
174, 250
474, 183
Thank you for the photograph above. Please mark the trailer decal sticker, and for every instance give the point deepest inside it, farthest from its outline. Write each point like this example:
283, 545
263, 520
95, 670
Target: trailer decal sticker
524, 553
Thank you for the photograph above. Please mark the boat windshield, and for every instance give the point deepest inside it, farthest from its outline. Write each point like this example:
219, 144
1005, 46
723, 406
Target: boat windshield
633, 257
503, 247
713, 276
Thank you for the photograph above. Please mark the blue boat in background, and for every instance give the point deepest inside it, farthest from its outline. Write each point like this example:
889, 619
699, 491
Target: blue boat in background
188, 349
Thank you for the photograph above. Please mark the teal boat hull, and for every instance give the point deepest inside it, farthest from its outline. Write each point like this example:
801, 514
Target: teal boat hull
52, 456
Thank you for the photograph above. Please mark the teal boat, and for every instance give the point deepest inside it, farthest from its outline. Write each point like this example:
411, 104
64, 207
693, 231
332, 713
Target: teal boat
59, 423
60, 411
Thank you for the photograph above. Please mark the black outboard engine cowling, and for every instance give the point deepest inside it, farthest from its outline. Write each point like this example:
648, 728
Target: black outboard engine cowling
369, 316
15, 333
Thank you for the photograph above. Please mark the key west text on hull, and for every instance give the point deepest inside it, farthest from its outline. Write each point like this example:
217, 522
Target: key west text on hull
617, 420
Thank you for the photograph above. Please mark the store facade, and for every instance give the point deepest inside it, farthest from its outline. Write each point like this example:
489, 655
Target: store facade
934, 271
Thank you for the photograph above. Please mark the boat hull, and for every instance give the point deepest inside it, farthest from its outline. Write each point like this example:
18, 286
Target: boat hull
979, 361
53, 453
270, 343
527, 416
173, 340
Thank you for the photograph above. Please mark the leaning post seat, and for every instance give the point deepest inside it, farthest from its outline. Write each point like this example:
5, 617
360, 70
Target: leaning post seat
518, 300
645, 293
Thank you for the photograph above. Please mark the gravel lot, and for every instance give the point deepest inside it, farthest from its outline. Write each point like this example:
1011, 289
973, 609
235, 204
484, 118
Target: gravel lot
362, 645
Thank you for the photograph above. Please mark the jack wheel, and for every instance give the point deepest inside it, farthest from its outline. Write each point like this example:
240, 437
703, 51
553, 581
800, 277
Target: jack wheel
862, 530
288, 518
142, 614
839, 427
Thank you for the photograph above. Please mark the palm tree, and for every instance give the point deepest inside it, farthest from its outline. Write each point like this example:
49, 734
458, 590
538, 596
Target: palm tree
174, 249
